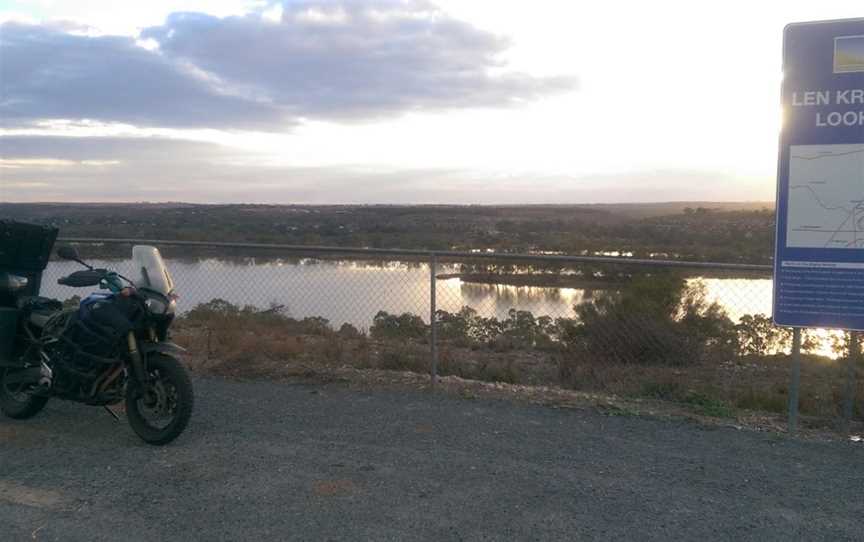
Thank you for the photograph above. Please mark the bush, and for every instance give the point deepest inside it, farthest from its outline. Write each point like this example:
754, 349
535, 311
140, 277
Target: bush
347, 331
758, 336
525, 331
462, 328
403, 326
653, 320
521, 329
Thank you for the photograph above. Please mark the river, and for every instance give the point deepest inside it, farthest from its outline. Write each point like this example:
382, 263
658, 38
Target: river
353, 292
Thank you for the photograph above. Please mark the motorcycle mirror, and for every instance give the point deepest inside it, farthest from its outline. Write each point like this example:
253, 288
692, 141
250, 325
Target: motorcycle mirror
68, 253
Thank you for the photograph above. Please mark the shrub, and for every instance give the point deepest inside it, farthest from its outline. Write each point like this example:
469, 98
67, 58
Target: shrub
521, 329
461, 327
758, 336
653, 320
314, 325
526, 331
403, 326
708, 406
347, 331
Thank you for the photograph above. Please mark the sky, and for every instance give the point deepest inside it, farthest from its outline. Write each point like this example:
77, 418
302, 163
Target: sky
384, 101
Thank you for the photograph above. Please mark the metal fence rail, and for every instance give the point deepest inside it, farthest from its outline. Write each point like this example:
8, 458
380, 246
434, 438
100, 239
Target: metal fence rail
686, 331
427, 254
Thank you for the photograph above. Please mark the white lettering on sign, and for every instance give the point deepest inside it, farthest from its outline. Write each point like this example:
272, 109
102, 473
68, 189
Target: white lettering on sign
811, 97
850, 96
822, 98
834, 119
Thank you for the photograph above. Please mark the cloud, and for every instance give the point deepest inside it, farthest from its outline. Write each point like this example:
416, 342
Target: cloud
108, 148
355, 59
108, 168
160, 169
47, 73
320, 60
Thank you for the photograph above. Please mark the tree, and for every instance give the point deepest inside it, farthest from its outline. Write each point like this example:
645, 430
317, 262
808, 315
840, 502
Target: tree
758, 336
403, 326
653, 320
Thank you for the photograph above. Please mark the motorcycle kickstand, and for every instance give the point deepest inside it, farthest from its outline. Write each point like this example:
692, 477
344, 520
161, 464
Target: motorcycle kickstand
112, 413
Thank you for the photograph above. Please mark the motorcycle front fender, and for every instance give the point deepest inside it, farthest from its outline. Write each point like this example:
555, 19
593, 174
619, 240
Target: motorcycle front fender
162, 348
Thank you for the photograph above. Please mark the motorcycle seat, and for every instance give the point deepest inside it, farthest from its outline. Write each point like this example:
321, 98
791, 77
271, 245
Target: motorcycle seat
38, 310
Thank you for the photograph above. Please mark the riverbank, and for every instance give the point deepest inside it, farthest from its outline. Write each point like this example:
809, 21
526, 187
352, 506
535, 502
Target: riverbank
580, 282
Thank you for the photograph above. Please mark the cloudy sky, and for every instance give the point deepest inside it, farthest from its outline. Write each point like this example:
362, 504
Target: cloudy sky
380, 101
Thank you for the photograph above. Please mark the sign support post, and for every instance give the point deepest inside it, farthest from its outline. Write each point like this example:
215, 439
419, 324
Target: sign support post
796, 380
433, 319
851, 370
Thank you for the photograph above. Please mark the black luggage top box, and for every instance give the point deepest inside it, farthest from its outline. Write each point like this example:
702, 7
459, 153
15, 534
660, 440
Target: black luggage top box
25, 247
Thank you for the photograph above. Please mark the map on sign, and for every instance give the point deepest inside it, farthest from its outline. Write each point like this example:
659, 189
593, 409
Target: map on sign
826, 197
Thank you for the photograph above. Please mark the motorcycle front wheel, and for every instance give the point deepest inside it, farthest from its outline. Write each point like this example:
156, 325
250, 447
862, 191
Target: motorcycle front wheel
16, 402
159, 410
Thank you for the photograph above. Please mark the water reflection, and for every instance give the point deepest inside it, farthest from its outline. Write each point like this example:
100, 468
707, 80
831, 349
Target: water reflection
341, 291
740, 297
354, 291
497, 299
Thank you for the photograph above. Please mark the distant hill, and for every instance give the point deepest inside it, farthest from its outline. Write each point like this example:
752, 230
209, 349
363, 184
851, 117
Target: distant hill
723, 231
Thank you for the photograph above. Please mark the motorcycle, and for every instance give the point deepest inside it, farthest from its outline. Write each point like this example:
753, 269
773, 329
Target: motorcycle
113, 348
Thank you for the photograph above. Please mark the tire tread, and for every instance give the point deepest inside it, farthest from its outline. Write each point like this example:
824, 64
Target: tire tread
180, 377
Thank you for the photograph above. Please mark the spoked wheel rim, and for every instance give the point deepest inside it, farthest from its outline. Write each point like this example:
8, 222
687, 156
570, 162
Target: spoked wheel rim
158, 402
159, 410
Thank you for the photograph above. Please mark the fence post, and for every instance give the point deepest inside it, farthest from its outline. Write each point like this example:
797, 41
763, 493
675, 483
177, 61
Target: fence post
433, 324
851, 369
796, 380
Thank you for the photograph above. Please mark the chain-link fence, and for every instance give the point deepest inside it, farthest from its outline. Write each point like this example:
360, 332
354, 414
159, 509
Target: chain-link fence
696, 333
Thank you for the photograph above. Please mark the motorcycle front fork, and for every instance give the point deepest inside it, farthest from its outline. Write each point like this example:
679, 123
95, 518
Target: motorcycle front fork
137, 359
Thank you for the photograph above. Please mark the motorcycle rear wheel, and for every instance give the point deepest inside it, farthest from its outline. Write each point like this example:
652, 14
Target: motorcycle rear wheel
167, 398
16, 403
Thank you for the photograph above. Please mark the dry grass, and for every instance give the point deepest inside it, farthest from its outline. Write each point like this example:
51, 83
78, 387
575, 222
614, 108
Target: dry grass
754, 384
241, 347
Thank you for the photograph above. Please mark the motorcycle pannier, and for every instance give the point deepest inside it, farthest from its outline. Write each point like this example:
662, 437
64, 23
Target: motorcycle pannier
24, 251
25, 247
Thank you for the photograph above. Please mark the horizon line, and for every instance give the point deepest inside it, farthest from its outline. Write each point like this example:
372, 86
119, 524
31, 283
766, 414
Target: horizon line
214, 204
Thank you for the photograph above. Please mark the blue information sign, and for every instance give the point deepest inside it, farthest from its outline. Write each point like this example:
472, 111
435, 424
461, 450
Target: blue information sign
819, 258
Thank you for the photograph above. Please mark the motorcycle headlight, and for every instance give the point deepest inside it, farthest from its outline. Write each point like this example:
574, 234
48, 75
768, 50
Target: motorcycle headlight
160, 305
156, 306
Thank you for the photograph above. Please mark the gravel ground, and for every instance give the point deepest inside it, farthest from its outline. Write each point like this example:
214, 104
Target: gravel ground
276, 461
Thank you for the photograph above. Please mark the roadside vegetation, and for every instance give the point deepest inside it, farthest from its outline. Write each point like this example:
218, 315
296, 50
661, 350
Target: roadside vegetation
656, 338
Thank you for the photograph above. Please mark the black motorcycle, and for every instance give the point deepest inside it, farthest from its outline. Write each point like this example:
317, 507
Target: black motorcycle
113, 348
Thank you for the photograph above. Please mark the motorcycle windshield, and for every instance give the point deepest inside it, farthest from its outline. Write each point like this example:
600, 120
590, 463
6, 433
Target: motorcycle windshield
151, 269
